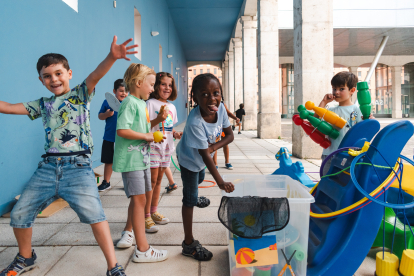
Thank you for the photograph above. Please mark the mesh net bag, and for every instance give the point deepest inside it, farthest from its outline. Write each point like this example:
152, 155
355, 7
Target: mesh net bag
251, 216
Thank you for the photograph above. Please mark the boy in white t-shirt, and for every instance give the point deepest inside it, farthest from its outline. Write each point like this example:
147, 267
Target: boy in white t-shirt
343, 87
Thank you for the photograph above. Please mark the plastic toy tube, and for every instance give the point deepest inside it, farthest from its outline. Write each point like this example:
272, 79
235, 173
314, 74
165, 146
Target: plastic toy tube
367, 195
377, 192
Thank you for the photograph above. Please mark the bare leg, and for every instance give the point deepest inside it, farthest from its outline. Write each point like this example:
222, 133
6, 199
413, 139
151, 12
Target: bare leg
169, 175
215, 158
103, 237
226, 151
239, 127
138, 221
187, 213
157, 189
128, 226
107, 172
24, 240
154, 176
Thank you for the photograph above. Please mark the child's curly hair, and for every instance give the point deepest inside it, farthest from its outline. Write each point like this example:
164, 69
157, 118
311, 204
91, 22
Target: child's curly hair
198, 83
136, 72
159, 77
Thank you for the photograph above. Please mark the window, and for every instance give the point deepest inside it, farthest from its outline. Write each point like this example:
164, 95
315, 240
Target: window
190, 70
208, 70
160, 58
201, 71
201, 65
220, 77
172, 69
195, 72
137, 32
359, 74
208, 65
215, 71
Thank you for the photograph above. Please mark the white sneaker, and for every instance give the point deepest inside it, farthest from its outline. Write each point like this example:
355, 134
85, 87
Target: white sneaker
150, 226
152, 255
126, 240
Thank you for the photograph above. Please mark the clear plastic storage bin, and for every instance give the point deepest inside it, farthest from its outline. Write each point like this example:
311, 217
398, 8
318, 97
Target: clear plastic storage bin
293, 237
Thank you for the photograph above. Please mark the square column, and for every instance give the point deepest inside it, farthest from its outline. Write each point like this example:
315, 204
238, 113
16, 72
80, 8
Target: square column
313, 62
249, 72
224, 81
238, 72
231, 81
396, 91
268, 118
354, 70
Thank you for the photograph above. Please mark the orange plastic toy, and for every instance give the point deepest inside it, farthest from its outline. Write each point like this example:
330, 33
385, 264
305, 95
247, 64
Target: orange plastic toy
245, 256
327, 115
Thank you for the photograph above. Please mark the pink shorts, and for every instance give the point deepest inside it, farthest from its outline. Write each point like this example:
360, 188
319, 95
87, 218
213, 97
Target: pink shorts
160, 158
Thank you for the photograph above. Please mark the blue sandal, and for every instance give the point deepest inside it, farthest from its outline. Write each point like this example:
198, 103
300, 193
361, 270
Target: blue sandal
171, 187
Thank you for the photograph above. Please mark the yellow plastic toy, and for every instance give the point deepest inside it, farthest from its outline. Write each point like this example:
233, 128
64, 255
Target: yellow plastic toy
158, 136
327, 115
407, 263
358, 152
407, 180
387, 266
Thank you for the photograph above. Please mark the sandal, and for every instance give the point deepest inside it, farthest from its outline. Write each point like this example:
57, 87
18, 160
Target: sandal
171, 187
203, 202
196, 251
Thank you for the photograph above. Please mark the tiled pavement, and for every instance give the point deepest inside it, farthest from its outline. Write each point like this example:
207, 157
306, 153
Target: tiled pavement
66, 247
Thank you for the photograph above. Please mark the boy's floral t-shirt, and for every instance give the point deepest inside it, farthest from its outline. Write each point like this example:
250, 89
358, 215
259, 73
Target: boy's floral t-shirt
66, 120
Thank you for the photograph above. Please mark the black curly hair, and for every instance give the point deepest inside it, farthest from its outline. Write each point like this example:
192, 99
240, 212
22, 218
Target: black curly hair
198, 83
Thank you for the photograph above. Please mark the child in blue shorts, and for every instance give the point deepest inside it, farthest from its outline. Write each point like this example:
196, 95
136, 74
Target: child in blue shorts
109, 115
201, 138
66, 169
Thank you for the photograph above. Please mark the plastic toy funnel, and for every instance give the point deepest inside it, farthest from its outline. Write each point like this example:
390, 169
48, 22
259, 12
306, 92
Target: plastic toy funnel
387, 266
364, 99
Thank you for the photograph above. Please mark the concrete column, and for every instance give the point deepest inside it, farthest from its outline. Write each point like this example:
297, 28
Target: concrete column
313, 62
224, 83
396, 91
268, 118
354, 70
249, 72
231, 105
225, 76
238, 72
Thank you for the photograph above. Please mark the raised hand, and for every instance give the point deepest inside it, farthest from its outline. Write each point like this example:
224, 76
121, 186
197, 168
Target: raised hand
119, 51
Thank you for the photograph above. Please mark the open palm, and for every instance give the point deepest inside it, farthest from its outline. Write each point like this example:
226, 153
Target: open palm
119, 51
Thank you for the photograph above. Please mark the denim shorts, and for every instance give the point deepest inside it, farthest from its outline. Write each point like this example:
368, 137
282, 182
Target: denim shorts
191, 180
67, 177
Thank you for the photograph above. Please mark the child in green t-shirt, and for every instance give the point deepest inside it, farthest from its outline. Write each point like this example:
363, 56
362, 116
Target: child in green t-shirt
132, 156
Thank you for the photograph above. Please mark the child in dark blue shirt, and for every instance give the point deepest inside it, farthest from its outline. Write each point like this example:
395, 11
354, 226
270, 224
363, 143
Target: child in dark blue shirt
106, 113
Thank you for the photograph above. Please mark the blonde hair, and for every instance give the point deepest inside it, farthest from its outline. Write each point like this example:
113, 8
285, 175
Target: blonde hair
136, 72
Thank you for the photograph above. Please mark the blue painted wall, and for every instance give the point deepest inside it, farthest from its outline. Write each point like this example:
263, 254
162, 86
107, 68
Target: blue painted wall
30, 29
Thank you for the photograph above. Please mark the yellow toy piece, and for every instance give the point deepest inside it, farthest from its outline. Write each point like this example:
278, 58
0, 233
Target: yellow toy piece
407, 180
358, 152
387, 266
329, 116
407, 263
158, 136
249, 220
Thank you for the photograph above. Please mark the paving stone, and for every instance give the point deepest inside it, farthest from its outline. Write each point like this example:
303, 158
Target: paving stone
46, 258
219, 264
81, 234
116, 191
176, 264
115, 201
200, 214
173, 234
2, 249
215, 191
87, 260
177, 201
41, 233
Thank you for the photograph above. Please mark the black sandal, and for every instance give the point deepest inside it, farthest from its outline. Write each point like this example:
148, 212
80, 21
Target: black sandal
171, 187
196, 251
203, 202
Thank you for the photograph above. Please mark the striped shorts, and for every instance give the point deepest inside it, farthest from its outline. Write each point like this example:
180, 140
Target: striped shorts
159, 157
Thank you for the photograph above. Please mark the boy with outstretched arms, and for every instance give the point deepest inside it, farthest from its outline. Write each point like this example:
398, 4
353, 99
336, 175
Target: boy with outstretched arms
66, 169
